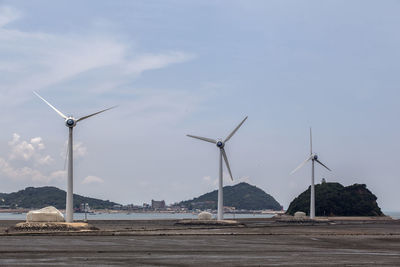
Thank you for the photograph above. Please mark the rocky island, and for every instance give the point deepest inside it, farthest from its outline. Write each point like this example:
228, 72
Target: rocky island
334, 199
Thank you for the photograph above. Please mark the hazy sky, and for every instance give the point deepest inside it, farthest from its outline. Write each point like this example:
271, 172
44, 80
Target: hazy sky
179, 67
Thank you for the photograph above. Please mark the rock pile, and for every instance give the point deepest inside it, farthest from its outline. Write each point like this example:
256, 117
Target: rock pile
50, 227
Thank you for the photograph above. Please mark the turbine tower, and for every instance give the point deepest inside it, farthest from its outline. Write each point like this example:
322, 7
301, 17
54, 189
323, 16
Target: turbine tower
221, 144
70, 122
314, 158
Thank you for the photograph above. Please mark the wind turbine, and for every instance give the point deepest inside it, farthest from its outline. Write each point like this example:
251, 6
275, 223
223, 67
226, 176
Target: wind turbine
70, 122
314, 158
221, 144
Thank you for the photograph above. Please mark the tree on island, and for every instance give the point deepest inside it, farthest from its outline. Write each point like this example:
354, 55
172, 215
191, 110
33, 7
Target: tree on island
241, 196
39, 197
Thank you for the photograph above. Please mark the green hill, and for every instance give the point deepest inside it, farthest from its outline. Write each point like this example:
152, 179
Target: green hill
240, 196
333, 199
39, 197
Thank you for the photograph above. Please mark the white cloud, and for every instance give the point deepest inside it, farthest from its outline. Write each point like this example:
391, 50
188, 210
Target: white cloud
15, 139
31, 155
7, 15
24, 150
92, 179
37, 141
79, 149
28, 173
45, 160
46, 59
155, 61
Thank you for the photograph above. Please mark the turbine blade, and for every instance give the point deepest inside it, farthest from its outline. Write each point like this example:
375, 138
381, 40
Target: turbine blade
227, 162
323, 164
88, 116
310, 141
301, 165
203, 138
56, 110
234, 131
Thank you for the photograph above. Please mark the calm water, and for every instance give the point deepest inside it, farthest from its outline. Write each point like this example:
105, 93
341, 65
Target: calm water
153, 216
135, 216
393, 214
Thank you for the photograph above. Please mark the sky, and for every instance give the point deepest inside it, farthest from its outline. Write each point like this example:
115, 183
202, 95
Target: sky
178, 67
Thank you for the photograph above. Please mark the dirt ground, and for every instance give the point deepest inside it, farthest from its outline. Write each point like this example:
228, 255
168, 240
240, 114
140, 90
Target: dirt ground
256, 242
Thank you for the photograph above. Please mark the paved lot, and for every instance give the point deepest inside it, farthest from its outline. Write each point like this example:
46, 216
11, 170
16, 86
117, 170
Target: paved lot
260, 243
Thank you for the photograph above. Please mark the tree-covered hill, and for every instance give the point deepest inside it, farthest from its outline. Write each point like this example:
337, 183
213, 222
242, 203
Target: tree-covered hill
39, 197
240, 196
333, 199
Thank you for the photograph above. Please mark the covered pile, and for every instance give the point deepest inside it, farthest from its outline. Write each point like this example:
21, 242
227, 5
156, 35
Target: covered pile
47, 214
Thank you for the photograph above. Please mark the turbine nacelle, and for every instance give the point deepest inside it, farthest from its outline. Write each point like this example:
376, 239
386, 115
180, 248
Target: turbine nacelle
313, 157
70, 122
220, 144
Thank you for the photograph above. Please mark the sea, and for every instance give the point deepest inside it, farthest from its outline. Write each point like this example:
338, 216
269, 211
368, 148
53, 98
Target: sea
155, 216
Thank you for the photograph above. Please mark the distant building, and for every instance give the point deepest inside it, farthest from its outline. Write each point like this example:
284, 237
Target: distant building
156, 205
117, 207
133, 207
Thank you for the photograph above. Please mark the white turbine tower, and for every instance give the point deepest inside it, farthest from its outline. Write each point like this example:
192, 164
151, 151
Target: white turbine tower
221, 144
314, 158
70, 122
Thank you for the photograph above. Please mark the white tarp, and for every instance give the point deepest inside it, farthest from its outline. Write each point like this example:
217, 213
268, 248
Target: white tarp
47, 214
299, 214
205, 216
